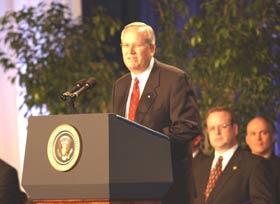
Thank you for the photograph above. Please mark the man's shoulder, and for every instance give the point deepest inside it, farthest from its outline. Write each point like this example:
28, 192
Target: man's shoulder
170, 69
6, 169
245, 154
9, 180
4, 166
202, 159
249, 159
171, 73
275, 161
275, 158
201, 156
123, 79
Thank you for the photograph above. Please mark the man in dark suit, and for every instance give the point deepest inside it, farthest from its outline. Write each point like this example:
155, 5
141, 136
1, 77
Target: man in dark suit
165, 102
232, 175
10, 192
260, 139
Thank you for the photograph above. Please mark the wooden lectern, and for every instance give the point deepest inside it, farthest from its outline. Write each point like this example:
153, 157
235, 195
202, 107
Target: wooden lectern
120, 162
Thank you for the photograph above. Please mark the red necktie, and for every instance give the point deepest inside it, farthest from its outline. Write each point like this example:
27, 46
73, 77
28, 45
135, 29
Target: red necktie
134, 100
214, 175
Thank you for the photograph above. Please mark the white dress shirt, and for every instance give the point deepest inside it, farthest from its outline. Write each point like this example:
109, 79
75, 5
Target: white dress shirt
226, 156
143, 78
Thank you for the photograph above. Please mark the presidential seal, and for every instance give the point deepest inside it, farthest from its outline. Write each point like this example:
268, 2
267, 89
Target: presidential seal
64, 147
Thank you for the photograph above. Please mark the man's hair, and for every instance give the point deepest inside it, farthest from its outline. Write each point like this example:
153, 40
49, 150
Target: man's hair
269, 124
151, 38
220, 109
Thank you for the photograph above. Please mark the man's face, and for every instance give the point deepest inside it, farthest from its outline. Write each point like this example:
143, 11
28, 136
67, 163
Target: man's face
259, 137
222, 133
136, 52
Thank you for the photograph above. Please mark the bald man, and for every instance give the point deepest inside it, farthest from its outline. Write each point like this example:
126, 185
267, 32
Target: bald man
260, 139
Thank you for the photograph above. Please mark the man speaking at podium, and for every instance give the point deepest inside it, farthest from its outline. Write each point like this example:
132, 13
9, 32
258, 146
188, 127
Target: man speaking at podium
158, 96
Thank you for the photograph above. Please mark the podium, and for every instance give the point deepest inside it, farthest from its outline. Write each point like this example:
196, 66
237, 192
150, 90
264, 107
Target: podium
118, 161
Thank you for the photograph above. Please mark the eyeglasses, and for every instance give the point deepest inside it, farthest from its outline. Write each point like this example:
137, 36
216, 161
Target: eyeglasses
134, 46
220, 127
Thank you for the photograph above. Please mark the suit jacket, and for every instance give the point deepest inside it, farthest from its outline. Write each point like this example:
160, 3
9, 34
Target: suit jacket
245, 180
275, 169
198, 159
167, 105
9, 185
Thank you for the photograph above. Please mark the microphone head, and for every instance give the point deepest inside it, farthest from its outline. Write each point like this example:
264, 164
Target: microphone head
91, 82
79, 87
81, 82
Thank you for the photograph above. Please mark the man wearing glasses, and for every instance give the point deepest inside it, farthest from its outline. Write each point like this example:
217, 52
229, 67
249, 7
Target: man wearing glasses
158, 96
231, 175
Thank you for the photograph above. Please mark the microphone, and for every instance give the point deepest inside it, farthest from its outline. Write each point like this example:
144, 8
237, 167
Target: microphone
90, 83
79, 84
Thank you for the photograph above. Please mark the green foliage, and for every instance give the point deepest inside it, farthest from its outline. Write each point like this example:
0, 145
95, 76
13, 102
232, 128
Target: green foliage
170, 41
230, 49
51, 51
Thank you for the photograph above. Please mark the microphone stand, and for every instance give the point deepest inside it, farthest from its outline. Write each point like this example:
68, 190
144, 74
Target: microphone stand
70, 103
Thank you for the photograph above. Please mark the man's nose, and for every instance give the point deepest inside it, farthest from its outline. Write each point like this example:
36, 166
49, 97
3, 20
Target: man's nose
131, 49
217, 130
259, 136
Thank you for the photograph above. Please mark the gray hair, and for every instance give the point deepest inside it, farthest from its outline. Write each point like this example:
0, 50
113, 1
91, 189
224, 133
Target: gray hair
142, 27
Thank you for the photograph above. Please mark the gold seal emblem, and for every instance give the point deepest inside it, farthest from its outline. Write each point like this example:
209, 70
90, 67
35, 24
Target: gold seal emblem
64, 147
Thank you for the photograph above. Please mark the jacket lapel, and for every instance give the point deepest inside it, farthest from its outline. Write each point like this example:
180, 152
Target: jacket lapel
149, 94
204, 176
124, 95
230, 170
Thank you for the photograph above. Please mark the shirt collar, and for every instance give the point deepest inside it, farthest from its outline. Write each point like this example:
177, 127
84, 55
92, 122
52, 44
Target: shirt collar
145, 74
226, 156
195, 153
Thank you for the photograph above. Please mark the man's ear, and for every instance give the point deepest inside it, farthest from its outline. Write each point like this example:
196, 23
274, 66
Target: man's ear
246, 139
235, 129
153, 48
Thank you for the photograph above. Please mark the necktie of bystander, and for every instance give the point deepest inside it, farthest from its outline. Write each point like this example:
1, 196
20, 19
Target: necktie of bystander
214, 175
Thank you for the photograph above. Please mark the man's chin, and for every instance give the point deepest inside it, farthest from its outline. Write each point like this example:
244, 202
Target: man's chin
260, 151
134, 70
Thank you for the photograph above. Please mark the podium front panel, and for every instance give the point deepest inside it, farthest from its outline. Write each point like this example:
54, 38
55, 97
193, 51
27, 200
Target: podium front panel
88, 179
